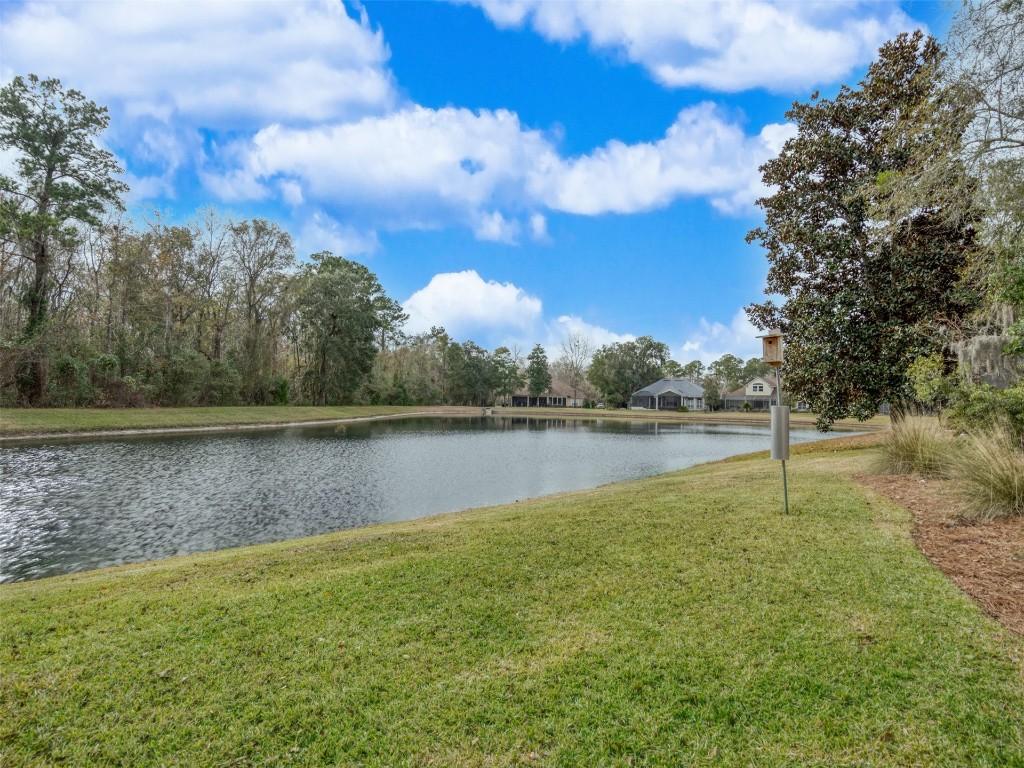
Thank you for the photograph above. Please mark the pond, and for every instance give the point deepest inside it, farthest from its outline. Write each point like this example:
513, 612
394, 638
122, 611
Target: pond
74, 504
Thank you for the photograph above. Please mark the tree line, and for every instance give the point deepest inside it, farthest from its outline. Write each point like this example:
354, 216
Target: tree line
100, 310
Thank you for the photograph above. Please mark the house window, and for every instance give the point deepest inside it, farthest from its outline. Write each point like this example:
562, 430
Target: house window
759, 387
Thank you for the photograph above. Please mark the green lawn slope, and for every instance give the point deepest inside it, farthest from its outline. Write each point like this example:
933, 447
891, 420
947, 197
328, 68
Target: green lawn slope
43, 421
674, 621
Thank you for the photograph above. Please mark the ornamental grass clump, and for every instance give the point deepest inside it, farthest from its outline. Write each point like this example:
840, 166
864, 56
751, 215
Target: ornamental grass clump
918, 446
989, 475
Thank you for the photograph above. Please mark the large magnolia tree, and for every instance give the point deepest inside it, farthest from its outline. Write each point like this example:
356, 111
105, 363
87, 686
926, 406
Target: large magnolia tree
864, 295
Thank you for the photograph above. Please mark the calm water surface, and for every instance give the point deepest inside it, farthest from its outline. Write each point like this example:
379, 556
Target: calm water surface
72, 505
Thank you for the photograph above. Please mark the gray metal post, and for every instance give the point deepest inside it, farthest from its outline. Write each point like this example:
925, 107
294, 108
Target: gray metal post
785, 491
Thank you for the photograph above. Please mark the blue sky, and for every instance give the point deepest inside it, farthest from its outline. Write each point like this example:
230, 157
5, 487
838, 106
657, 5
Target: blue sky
514, 170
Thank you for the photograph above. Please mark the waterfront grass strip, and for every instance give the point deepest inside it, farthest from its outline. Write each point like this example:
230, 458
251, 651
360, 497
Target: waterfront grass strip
42, 421
18, 422
678, 620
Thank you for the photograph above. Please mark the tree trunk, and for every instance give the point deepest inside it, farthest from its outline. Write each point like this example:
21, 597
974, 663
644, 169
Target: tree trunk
897, 411
38, 302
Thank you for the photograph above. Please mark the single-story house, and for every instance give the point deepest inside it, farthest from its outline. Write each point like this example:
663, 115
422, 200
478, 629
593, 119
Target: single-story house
760, 392
669, 395
558, 395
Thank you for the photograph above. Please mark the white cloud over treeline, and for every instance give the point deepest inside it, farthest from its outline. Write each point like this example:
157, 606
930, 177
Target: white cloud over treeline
293, 102
421, 167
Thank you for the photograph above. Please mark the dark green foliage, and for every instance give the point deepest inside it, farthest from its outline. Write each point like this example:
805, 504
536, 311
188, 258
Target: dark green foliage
225, 384
981, 407
507, 376
106, 366
864, 295
538, 374
753, 368
618, 370
730, 371
337, 306
279, 391
672, 370
185, 378
712, 393
693, 370
471, 374
68, 382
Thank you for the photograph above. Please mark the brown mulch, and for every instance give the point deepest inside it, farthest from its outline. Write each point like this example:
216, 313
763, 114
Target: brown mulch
985, 559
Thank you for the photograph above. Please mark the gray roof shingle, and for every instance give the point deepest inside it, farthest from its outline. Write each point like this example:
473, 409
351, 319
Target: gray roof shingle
683, 387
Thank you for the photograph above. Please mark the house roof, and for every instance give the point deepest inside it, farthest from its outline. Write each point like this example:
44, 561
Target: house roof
741, 393
682, 387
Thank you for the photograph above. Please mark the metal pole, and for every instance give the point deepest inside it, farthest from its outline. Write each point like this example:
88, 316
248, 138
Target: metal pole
785, 490
785, 486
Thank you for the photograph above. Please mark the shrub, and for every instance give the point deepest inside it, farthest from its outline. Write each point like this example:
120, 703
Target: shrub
279, 391
225, 385
918, 445
683, 409
106, 366
69, 382
185, 377
975, 407
990, 475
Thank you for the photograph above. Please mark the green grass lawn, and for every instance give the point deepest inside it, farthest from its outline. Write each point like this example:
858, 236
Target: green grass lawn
42, 421
38, 421
678, 620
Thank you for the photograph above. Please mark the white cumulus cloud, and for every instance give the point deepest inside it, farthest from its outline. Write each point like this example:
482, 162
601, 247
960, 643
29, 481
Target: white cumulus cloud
567, 325
293, 101
177, 75
464, 303
495, 227
539, 227
713, 339
421, 167
217, 62
416, 167
319, 232
701, 154
721, 45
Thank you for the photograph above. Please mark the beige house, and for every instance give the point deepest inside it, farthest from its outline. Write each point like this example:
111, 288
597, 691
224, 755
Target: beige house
760, 392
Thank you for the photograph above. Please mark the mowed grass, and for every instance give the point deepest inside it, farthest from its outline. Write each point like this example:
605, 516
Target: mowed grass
42, 421
674, 621
16, 422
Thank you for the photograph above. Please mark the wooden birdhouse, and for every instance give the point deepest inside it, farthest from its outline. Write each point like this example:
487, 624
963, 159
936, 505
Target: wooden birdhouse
772, 342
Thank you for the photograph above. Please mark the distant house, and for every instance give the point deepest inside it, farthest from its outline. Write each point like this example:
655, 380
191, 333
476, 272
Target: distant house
558, 395
669, 395
759, 392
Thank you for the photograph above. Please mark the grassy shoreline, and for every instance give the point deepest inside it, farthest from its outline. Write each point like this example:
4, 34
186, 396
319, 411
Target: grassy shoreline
674, 620
22, 423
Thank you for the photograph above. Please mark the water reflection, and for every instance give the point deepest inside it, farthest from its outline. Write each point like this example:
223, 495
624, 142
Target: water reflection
78, 504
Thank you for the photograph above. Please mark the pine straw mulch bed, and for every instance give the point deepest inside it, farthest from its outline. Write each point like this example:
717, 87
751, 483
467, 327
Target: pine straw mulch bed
985, 559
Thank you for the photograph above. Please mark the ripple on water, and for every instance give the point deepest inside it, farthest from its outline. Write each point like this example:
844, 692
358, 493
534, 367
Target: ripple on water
73, 505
